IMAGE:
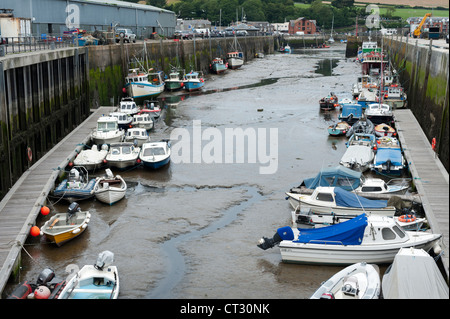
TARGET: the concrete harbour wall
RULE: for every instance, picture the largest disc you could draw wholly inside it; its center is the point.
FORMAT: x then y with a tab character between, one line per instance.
424	72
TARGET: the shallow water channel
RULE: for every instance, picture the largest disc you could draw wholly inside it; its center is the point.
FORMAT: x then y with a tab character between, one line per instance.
190	230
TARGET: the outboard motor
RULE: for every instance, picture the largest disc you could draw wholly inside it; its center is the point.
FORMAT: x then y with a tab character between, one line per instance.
283	233
105	258
72	211
45	277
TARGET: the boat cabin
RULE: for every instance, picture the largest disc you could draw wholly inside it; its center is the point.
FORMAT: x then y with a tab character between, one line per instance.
235	54
122	149
128	106
156	149
362	139
137	132
135	76
107	124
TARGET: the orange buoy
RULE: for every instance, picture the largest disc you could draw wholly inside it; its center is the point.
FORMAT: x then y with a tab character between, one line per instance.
35	231
433	144
45	210
29	154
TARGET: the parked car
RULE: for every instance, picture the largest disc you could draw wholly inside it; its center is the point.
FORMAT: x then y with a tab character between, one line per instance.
187	35
128	35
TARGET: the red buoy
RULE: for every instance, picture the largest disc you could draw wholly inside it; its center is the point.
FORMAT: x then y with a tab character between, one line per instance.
35	231
45	210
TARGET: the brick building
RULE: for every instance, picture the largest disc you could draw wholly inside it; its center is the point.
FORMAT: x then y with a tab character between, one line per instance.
302	25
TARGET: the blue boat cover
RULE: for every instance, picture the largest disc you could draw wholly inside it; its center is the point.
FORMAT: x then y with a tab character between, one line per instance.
338	176
347	199
355	109
350	232
392	154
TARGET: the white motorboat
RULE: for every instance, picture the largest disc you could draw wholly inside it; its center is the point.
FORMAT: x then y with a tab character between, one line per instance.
335	200
123	155
98	281
379	186
143	120
357	281
128	106
384	130
414	274
359	154
379	113
123	119
155	154
137	136
107	131
92	158
374	239
110	189
140	84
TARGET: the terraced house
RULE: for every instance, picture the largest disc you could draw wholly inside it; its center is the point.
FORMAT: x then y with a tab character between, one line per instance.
302	25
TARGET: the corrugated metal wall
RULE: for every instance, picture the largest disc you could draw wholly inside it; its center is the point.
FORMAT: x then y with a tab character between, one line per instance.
50	16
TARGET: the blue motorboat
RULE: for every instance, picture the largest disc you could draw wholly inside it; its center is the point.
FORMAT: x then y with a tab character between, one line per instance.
388	159
76	187
155	154
351	113
193	81
338	176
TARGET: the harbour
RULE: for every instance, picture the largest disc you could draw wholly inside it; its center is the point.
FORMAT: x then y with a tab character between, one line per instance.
190	217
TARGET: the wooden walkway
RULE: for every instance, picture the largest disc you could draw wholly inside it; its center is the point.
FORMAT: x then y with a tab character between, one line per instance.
429	175
21	205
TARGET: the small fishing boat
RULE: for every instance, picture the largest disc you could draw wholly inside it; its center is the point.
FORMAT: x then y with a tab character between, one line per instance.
363	125
155	154
152	107
389	159
379	113
66	226
193	81
128	106
384	130
329	103
143	120
357	281
43	288
140	84
123	119
374	239
360	152
287	49
110	189
123	155
379	186
92	158
98	281
414	275
76	186
107	131
338	129
335	200
235	57
175	80
218	66
137	136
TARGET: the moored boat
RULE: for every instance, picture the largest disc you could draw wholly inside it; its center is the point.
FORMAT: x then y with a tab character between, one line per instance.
92	158
329	102
110	189
128	106
77	186
218	66
98	281
193	81
137	136
143	120
360	152
155	154
175	80
123	155
384	130
140	84
63	227
123	119
46	286
357	281
151	107
379	113
107	131
389	158
338	129
374	239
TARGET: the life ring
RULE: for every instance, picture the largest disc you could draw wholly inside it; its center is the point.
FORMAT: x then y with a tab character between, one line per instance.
433	144
407	218
29	154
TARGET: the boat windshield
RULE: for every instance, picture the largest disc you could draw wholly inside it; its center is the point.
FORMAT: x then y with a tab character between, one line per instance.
106	126
126	150
154	151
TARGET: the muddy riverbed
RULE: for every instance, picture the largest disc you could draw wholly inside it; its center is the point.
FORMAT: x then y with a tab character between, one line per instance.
190	230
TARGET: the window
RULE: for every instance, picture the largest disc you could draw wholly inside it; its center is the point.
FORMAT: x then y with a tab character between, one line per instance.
399	231
387	234
326	197
371	189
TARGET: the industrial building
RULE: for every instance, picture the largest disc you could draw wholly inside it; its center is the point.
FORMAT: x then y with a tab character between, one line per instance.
53	17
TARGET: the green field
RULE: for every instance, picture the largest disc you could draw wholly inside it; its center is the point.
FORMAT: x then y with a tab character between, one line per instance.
404	13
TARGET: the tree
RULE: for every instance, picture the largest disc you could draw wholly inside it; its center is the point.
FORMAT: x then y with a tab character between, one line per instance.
157	3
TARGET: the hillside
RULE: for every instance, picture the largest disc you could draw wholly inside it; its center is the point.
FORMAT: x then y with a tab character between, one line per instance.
412	3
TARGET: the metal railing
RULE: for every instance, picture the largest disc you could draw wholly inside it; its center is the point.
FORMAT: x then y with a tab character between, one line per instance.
13	45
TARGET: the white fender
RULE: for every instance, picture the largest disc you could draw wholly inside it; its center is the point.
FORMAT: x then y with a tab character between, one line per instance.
76	231
84	226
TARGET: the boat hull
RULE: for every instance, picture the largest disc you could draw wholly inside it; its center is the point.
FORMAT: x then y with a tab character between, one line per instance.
74	194
193	86
122	164
144	90
61	233
101	139
155	165
234	63
292	252
174	85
